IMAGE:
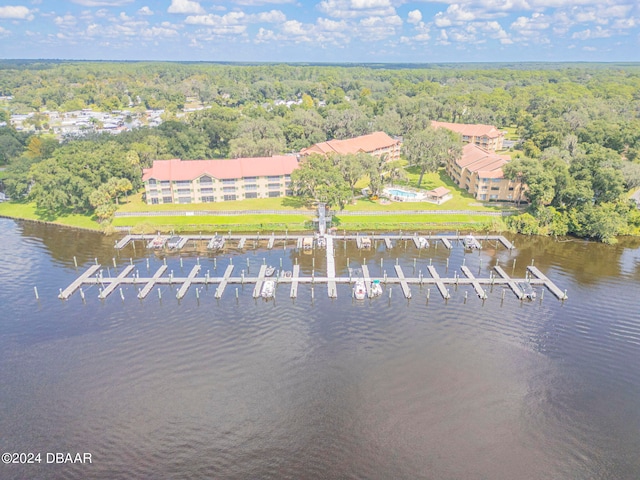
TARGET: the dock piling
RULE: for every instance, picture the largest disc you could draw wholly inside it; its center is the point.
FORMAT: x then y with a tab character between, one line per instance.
75	261
82	294
35	290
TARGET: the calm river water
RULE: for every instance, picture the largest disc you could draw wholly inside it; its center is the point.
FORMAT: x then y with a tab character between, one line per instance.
323	389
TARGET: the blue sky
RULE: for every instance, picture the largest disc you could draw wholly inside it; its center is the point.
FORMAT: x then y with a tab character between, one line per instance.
322	30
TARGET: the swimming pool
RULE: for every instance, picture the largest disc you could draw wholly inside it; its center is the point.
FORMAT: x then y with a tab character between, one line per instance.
400	193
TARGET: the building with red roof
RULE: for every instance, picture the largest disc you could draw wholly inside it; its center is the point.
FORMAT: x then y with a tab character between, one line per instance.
485	136
479	171
196	181
377	144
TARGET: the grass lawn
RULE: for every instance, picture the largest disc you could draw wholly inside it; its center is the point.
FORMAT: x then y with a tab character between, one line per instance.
218	223
135	204
461	200
29	211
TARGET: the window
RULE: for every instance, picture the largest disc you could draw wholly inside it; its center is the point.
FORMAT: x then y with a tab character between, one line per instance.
228	198
289	193
251	195
251	188
496	180
165	183
208	198
483	196
183	183
154	201
274	186
167	200
184	191
184	200
287	177
495	188
152	181
274	178
511	189
229	181
250	179
274	194
228	189
206	180
493	197
206	190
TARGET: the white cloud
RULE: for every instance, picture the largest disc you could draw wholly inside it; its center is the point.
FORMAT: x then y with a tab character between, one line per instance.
414	16
185	7
102	3
356	8
588	34
257	3
237	17
16	12
4	32
145	11
66	21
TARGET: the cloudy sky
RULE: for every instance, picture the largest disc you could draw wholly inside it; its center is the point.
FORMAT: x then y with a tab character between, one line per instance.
322	30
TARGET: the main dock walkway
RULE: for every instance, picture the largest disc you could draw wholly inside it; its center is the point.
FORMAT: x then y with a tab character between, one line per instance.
93	275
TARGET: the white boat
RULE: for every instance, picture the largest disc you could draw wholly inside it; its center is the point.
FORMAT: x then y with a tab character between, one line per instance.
470	242
270	270
527	290
376	288
157	242
359	290
268	289
423	242
173	242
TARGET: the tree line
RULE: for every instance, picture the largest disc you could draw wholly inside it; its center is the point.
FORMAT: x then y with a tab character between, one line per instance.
579	125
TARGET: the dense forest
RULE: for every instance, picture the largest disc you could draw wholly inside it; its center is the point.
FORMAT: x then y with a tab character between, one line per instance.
578	126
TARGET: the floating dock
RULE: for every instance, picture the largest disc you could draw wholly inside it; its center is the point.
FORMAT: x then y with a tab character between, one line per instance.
476	285
93	275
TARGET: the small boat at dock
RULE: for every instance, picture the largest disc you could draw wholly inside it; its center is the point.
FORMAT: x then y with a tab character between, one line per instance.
157	242
376	289
173	242
268	289
359	290
527	290
270	270
470	242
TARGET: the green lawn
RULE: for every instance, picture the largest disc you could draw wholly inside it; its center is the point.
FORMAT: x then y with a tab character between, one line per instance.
135	204
217	223
29	211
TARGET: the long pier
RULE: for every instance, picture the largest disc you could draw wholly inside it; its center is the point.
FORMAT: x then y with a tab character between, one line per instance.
93	276
270	240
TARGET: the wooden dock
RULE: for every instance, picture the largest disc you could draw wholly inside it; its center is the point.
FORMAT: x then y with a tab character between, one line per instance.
476	285
294	281
439	283
151	283
332	290
182	291
403	282
260	280
510	282
223	283
547	283
77	283
387	243
114	284
445	241
367	280
242	242
272	240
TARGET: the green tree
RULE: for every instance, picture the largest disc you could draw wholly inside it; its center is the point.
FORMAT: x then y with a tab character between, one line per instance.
430	148
318	179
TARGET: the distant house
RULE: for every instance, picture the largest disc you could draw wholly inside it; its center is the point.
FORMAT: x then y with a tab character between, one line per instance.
484	136
196	181
439	195
376	144
479	171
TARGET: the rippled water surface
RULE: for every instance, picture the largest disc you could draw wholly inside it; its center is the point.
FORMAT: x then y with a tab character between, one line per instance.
327	389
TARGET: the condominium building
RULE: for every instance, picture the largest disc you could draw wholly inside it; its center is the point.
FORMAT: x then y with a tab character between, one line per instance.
196	181
485	136
376	144
479	171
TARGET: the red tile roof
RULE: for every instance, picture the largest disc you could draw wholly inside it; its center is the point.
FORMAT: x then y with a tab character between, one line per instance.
439	192
177	169
470	130
365	143
486	164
